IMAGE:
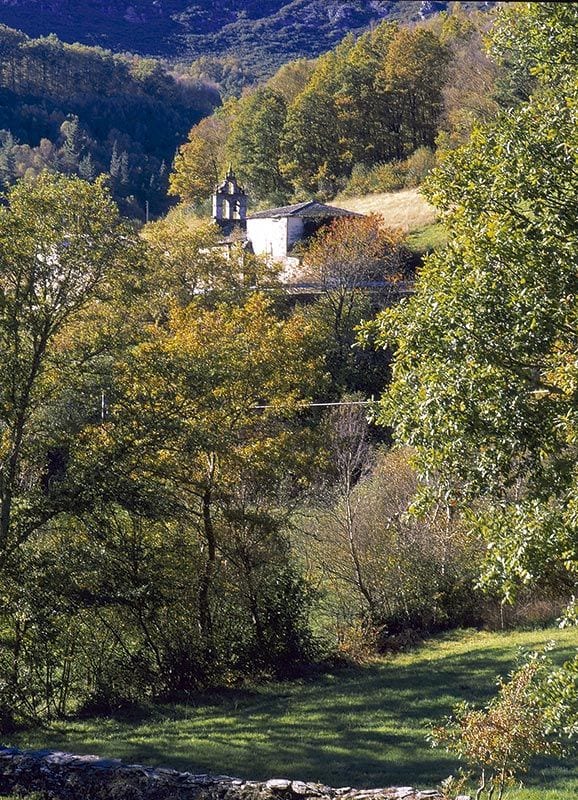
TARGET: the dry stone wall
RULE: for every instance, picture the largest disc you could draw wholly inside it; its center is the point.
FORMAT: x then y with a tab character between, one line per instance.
63	776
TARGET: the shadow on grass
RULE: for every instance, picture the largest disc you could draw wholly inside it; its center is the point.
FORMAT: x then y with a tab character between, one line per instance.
363	727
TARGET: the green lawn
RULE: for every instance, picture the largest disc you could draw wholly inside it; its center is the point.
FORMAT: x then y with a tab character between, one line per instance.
361	727
427	238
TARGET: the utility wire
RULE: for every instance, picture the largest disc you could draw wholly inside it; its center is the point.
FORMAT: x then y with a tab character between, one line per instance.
311	405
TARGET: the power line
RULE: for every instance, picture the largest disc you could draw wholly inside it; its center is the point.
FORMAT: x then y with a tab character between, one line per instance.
317	405
104	405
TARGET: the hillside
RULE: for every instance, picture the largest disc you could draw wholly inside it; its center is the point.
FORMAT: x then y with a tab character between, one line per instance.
78	109
406	209
263	33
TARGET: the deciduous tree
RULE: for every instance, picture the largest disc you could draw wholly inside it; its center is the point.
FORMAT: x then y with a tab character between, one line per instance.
485	371
254	145
311	139
62	247
199	161
349	259
413	75
205	419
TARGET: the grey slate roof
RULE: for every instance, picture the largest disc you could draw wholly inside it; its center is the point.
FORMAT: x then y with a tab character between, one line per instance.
311	208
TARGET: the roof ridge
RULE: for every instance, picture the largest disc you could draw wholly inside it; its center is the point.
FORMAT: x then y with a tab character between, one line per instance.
296	208
304	204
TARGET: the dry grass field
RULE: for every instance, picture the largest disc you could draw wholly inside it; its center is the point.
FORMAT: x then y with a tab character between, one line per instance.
406	209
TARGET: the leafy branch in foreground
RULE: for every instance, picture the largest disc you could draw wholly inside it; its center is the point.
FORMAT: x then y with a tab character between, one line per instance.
485	371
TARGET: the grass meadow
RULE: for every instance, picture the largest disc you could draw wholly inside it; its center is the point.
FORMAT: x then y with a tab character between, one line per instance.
406	209
358	726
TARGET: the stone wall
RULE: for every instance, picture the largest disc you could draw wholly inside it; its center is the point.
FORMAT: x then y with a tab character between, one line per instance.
62	776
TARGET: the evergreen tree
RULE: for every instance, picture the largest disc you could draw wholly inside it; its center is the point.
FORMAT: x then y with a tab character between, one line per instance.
115	163
124	168
72	148
86	168
7	161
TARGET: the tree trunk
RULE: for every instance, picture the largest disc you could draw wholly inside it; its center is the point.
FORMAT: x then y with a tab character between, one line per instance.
205	616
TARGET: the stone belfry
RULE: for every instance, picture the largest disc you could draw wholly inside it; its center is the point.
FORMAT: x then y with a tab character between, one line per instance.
230	202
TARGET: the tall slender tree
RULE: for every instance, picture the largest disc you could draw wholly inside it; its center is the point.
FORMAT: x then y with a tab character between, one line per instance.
254	145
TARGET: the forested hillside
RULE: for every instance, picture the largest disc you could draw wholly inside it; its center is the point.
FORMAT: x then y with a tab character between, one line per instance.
254	37
368	104
366	116
82	110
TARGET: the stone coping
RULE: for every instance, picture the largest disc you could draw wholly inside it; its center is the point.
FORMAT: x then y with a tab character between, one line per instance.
64	776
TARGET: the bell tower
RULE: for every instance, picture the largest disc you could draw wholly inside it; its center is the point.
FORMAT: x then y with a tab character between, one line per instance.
230	202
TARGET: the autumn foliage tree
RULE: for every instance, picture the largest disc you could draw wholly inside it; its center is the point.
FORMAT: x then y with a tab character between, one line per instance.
198	162
353	251
370	100
310	149
499	741
348	259
413	77
291	78
206	413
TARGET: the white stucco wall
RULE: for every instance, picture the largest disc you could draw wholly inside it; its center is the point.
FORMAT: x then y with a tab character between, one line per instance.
268	236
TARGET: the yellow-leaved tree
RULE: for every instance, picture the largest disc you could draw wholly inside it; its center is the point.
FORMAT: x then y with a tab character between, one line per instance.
206	432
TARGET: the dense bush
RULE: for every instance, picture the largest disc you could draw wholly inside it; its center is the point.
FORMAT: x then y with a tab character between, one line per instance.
391	176
101	614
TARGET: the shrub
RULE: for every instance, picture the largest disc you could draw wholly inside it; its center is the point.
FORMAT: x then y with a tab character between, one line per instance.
534	713
373	180
385	573
391	176
417	166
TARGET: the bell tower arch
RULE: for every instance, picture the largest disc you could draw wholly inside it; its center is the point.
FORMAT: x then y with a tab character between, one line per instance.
229	201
